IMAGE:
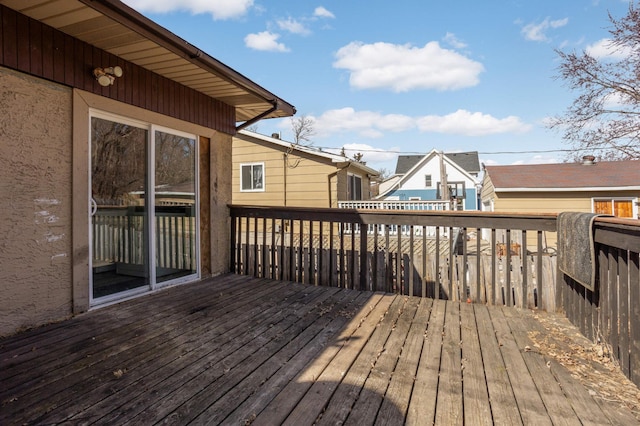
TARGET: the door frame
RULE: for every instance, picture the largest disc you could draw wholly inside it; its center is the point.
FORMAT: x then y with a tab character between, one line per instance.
150	216
82	103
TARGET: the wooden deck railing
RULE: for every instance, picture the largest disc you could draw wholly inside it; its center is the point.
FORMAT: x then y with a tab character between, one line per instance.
118	236
610	314
472	256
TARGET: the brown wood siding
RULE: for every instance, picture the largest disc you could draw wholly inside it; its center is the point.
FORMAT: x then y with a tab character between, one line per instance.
29	46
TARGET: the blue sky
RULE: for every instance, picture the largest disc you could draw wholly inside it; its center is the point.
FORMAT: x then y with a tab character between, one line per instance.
387	77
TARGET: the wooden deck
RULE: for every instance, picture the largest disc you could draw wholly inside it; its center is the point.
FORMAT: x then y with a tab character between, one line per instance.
240	350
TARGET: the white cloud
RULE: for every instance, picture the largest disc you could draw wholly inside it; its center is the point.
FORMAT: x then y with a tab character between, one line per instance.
605	49
293	26
366	123
404	67
219	9
265	41
372	125
321	12
452	40
537	31
618	100
467	123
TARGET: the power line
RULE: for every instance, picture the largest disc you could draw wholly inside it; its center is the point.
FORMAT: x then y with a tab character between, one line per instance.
326	148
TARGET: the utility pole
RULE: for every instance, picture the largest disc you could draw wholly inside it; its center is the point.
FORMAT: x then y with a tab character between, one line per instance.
444	190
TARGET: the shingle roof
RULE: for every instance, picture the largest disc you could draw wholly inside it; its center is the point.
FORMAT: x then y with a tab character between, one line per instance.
467	160
335	158
606	174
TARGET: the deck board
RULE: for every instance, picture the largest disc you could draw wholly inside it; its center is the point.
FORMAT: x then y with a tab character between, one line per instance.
396	401
528	399
476	399
241	350
449	404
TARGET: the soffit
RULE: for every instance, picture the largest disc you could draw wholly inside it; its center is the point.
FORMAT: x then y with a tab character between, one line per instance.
114	27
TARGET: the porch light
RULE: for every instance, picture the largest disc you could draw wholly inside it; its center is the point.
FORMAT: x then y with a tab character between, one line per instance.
106	76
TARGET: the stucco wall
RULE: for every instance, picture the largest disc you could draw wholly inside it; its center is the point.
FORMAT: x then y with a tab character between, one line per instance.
220	198
35	189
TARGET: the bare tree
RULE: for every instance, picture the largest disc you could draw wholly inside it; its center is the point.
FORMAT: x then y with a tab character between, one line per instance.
303	129
253	128
358	158
384	173
604	119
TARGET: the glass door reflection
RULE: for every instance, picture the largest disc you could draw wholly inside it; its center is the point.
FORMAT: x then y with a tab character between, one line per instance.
119	216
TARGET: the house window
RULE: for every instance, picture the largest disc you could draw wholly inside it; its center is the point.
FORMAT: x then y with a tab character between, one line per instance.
354	187
620	207
252	177
427	181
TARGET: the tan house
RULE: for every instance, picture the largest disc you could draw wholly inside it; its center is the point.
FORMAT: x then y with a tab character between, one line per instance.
269	171
611	187
115	157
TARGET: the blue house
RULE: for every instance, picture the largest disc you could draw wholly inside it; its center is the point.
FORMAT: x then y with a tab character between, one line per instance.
419	178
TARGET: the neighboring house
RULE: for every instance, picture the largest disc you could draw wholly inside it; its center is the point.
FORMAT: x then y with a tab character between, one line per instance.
418	177
611	187
268	171
115	157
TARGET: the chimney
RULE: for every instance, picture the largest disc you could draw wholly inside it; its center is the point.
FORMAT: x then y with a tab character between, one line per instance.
275	135
588	160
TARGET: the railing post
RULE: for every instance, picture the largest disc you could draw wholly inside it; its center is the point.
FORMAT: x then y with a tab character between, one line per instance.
364	264
232	253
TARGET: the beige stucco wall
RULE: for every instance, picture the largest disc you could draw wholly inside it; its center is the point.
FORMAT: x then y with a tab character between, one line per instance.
220	223
35	189
44	178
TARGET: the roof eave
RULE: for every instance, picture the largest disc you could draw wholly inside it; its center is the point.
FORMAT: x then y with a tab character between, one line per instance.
137	22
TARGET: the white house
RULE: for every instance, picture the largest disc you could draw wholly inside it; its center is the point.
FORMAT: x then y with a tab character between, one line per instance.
419	177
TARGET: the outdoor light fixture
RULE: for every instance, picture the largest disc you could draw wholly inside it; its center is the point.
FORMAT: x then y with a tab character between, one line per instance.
106	76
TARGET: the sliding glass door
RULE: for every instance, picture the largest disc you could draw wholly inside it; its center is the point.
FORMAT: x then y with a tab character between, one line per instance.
144	231
175	206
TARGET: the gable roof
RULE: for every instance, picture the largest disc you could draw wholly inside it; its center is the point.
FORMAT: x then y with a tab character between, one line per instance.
417	165
467	160
314	152
565	176
118	29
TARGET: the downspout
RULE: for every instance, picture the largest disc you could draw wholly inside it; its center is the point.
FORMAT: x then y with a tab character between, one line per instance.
329	176
284	178
346	166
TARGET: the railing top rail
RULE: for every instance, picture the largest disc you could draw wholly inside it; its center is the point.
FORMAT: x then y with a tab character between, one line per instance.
458	219
618	232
